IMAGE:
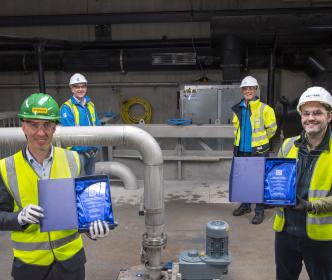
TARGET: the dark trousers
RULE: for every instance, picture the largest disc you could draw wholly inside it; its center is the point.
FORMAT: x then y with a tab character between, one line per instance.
55	271
88	163
72	269
259	209
291	251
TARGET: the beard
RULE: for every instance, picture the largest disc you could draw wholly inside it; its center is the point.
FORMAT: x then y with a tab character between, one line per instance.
314	128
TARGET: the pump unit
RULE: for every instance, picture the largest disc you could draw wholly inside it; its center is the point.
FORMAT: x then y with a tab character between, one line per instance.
211	264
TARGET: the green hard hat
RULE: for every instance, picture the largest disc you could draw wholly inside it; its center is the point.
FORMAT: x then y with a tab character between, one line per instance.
39	106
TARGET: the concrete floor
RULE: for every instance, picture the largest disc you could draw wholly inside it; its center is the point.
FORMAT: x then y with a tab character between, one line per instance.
189	206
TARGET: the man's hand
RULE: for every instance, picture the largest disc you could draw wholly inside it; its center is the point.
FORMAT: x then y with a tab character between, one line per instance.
98	229
30	214
302	205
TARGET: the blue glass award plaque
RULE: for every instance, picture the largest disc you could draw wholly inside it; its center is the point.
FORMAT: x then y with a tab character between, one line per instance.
270	181
74	203
93	200
279	183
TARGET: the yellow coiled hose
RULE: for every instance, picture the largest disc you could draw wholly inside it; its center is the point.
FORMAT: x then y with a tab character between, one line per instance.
128	117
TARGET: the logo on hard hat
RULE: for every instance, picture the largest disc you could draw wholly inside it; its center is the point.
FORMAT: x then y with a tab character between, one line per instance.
39	110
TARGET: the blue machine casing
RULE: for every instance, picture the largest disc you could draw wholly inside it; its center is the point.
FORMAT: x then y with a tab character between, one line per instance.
214	262
193	266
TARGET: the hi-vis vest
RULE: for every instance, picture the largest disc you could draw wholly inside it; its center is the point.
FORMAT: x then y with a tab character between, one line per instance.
263	124
32	246
319	226
73	108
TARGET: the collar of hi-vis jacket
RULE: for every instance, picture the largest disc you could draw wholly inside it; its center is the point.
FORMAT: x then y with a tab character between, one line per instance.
251	105
323	146
76	102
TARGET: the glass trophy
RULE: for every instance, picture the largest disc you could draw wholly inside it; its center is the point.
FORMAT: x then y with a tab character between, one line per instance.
279	184
93	200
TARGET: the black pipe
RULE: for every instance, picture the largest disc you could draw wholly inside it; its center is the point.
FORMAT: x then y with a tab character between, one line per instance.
41	74
150	17
271	73
231	49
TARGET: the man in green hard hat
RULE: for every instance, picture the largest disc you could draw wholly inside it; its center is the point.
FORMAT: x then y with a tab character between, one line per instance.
55	255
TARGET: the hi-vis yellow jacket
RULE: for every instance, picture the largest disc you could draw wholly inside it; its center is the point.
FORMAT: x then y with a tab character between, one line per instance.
263	125
319	226
76	112
30	245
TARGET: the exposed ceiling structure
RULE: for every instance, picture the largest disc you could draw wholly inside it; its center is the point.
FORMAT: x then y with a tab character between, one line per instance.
296	38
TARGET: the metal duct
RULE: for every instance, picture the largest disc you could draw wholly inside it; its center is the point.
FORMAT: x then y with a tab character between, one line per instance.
232	56
110	60
174	58
154	239
149	17
311	30
119	170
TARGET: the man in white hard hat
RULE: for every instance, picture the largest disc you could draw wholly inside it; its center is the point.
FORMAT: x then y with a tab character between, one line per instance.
254	125
304	232
80	111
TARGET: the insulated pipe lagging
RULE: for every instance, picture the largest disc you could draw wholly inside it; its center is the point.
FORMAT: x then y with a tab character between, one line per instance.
134	137
119	170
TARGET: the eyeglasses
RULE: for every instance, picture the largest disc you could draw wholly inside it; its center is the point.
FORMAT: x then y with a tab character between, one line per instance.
35	126
249	88
79	86
317	113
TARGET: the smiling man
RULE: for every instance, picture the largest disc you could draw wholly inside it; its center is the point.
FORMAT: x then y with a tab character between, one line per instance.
254	125
80	111
304	233
55	255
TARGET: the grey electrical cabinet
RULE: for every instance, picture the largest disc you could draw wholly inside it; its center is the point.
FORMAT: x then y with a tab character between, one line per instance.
209	104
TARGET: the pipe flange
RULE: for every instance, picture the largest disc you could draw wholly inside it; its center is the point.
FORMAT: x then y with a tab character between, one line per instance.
155	268
154	241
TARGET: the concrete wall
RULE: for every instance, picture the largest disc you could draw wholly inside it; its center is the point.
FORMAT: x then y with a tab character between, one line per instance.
14	87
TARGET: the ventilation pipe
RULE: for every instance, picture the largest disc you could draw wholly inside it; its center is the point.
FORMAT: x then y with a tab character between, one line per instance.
271	74
41	74
154	238
232	50
119	170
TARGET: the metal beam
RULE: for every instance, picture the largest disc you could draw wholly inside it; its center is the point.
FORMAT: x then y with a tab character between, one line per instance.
189	131
147	17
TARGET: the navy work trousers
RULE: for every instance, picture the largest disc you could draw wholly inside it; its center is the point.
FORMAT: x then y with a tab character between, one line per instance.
56	271
291	251
89	163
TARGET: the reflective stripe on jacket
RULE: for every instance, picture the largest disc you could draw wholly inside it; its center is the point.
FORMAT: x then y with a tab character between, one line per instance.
263	124
76	113
32	246
319	226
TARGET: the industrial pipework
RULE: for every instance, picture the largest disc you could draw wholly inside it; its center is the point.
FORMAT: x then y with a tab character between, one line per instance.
154	238
118	169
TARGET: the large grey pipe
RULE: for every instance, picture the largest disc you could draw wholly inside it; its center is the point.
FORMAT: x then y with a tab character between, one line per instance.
154	238
118	169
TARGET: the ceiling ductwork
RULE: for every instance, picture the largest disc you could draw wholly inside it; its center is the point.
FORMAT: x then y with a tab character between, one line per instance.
239	41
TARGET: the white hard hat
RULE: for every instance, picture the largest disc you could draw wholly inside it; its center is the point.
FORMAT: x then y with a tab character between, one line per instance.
249	81
77	79
315	94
